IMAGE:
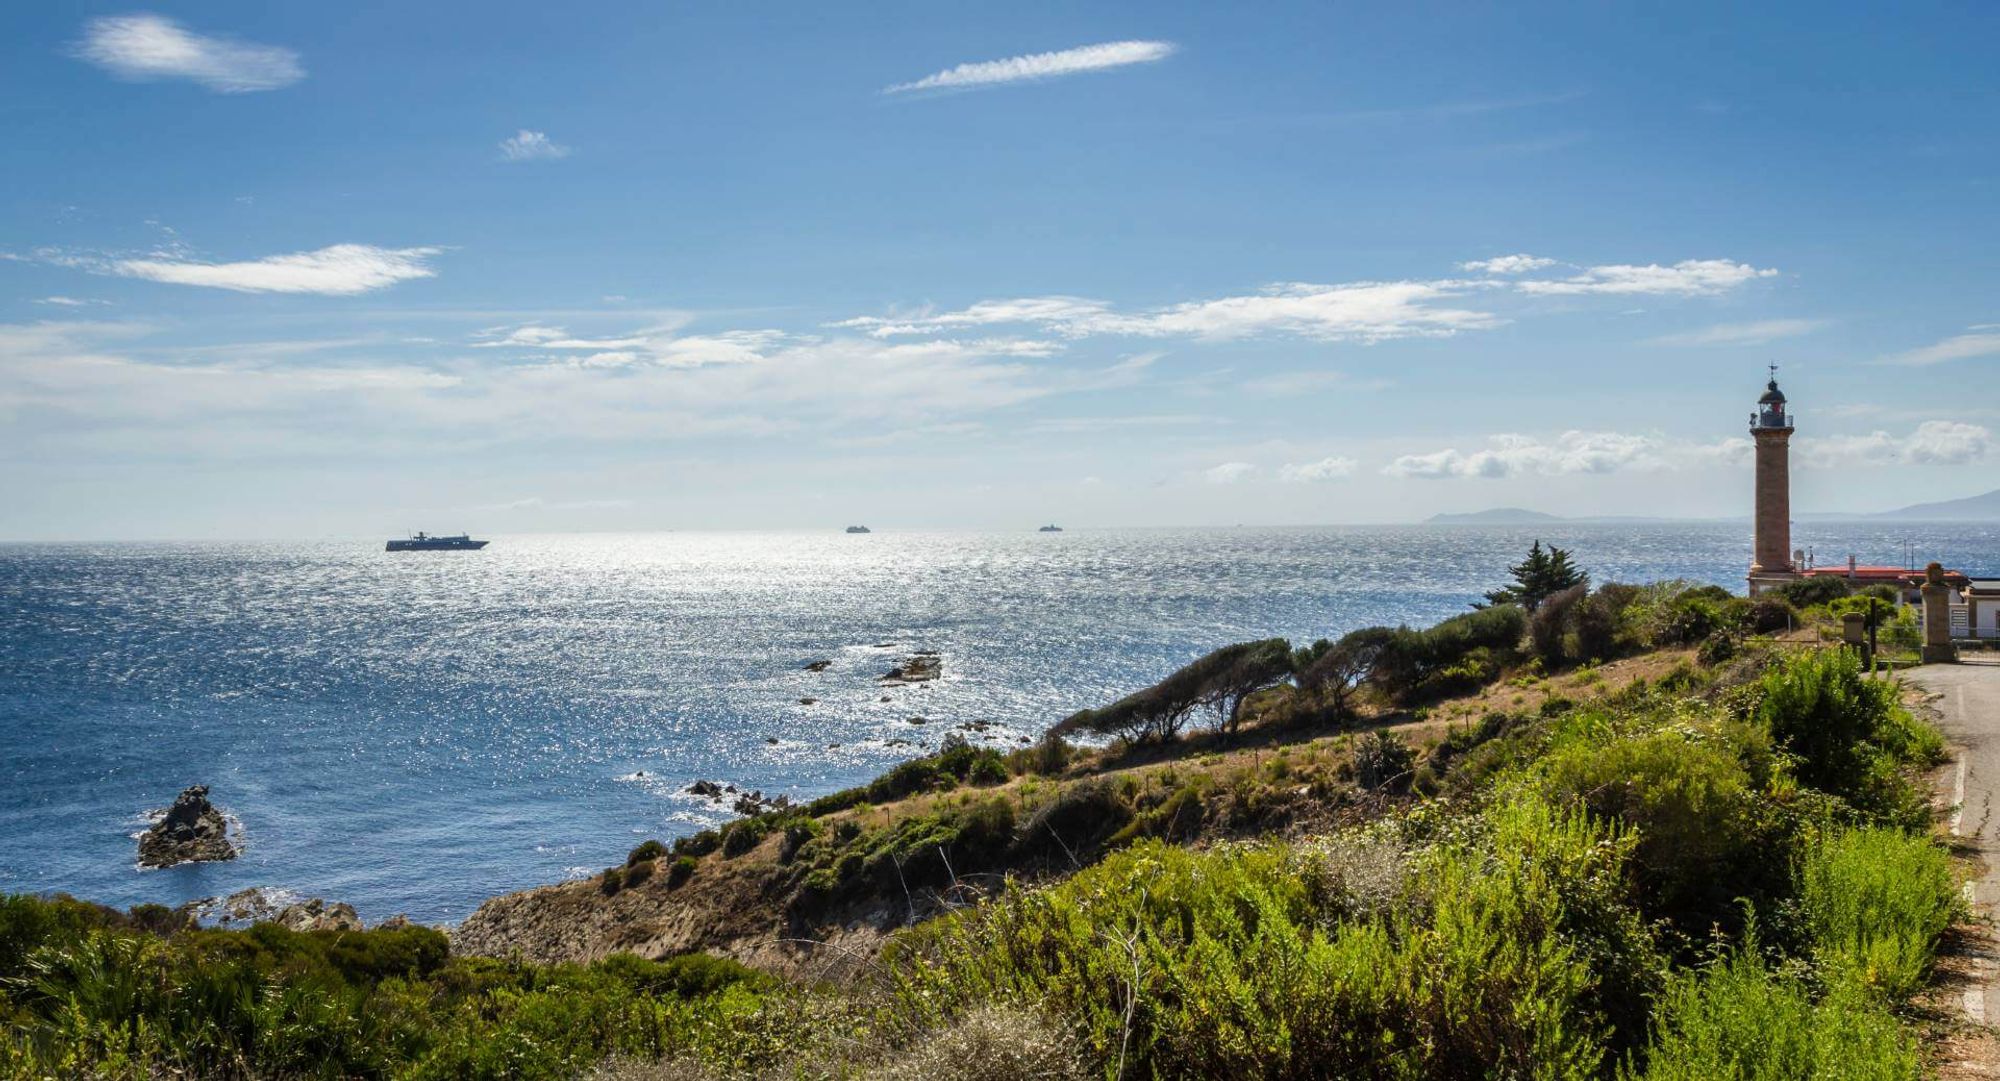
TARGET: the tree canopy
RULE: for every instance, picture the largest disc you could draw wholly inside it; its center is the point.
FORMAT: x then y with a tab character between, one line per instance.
1545	573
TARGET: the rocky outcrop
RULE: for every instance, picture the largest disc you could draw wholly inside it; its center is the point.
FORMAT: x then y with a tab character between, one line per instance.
191	831
920	667
317	915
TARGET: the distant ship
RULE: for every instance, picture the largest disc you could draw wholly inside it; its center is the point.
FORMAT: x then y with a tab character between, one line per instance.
859	529
1049	529
424	542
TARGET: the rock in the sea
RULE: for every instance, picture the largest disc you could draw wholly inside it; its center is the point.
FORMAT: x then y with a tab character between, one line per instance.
808	701
192	831
918	668
819	666
705	789
317	915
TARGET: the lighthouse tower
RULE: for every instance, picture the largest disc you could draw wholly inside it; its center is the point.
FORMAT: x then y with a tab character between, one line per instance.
1771	561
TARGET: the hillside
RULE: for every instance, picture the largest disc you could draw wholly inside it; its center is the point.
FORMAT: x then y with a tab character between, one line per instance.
1978	508
1630	836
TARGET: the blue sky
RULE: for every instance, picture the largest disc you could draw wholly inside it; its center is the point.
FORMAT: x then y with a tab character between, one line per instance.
273	270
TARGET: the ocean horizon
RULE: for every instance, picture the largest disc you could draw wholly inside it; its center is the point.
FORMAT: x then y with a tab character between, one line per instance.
414	733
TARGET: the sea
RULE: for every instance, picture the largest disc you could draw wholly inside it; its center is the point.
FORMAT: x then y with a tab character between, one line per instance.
412	733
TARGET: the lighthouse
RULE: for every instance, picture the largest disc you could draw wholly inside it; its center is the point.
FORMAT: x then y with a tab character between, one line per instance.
1771	560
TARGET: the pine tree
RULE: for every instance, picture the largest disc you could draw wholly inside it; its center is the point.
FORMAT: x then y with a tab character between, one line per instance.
1542	575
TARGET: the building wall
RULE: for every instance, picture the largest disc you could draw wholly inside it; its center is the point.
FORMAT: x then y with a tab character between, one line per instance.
1774	502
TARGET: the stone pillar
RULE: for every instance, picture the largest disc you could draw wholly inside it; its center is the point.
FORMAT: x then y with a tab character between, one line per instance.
1854	629
1772	553
1937	617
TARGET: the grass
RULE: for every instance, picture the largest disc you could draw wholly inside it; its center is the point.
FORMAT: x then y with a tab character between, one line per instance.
1876	901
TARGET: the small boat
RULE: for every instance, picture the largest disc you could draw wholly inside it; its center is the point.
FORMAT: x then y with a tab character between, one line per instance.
424	542
1049	529
859	529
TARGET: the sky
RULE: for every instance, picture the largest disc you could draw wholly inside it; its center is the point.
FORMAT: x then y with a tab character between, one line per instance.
278	270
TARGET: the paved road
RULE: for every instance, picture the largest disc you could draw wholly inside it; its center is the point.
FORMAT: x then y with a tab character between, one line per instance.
1969	715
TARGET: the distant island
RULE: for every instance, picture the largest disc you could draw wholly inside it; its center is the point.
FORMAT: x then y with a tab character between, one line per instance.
1978	508
1495	516
1519	516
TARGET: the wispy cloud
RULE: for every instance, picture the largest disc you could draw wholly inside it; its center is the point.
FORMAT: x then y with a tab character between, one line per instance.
70	302
1689	277
527	145
1014	69
1357	311
1758	333
145	47
1326	469
1507	264
339	270
1228	473
1978	341
1365	311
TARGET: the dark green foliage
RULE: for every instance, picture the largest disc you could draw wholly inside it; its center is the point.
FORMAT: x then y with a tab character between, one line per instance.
1459	654
1552	623
1719	647
95	997
638	873
1075	823
1768	613
1542	575
697	844
611	881
1243	671
646	850
1847	731
687	975
1383	761
27	922
1816	590
956	762
680	871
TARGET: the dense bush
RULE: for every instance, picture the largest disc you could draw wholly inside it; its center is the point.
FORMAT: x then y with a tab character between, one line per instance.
1816	590
1875	901
1263	961
645	850
1739	1020
1848	731
1459	654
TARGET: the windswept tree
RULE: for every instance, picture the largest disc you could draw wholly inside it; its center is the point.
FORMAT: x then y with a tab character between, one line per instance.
1542	575
1337	671
1240	671
1219	680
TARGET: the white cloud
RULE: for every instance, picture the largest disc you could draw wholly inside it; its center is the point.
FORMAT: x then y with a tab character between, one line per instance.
1357	311
1507	264
1514	455
1758	333
1689	277
1934	442
1980	341
1228	473
70	302
528	145
1016	69
146	47
340	270
1316	472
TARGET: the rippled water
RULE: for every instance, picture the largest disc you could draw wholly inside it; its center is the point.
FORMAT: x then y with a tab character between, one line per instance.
416	732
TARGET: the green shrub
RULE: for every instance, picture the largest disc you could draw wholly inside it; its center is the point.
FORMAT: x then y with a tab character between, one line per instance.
1816	590
1875	902
1738	1020
646	850
1256	961
1847	731
638	873
680	871
1693	796
611	881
